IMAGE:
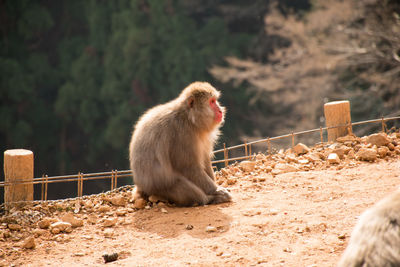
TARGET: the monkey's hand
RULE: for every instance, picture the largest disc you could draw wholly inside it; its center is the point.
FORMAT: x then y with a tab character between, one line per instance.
221	195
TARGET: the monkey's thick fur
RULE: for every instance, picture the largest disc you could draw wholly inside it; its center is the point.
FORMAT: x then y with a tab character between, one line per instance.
375	240
171	147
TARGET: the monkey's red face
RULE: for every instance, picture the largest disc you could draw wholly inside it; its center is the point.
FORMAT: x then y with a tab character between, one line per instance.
218	115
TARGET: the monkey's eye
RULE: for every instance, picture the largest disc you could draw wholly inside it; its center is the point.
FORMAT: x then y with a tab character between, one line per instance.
212	101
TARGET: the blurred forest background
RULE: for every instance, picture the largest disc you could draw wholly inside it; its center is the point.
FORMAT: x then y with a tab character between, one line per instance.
76	75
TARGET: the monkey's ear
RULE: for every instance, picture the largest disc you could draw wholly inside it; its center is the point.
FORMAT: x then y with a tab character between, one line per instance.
190	102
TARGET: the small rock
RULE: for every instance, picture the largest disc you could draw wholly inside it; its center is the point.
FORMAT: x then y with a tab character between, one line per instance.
304	161
313	157
108	232
231	181
140	203
340	152
58	227
391	146
284	168
366	154
118	201
110	222
291	158
164	210
29	243
211	229
378	139
189	227
348	138
333	158
14	227
247	165
38	232
383	151
351	154
121	212
110	257
300	149
69	218
92	219
45	223
104	208
224	172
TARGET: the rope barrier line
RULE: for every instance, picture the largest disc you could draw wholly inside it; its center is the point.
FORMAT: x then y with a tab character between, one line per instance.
114	174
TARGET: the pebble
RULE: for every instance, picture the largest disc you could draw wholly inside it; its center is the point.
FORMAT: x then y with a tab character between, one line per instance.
189	227
333	158
29	243
104	208
108	232
211	229
366	154
14	227
38	232
58	227
300	149
378	139
140	203
164	210
110	222
69	218
247	165
118	201
45	223
383	151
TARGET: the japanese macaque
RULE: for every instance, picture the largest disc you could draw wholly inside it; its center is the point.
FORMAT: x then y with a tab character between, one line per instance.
375	240
171	148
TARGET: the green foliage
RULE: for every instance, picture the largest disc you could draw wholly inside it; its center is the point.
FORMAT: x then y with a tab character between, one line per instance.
76	75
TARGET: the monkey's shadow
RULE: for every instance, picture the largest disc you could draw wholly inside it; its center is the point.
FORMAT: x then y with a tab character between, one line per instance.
191	220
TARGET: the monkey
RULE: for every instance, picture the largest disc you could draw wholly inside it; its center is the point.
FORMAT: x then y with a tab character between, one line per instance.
171	148
375	240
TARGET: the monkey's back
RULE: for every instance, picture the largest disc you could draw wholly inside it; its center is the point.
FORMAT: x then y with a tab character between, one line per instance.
150	145
375	241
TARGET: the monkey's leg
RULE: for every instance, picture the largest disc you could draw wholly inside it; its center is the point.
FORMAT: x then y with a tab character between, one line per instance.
185	193
221	195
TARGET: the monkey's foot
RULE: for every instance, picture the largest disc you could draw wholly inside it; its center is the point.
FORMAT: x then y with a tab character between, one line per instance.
220	196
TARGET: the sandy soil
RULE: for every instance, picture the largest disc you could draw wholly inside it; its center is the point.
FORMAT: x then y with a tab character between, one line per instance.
299	218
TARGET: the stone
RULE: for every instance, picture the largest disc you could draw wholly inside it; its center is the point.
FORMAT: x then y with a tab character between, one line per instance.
211	229
333	158
378	139
118	201
14	227
348	138
300	149
340	152
29	243
247	165
121	212
313	157
304	161
110	222
108	232
58	227
284	168
231	181
45	223
383	151
291	158
104	208
92	219
69	218
366	154
38	232
140	203
164	210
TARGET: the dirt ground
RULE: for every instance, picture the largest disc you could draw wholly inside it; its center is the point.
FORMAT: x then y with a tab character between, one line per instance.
301	218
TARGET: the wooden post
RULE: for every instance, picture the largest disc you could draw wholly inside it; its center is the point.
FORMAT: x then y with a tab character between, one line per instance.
18	166
338	113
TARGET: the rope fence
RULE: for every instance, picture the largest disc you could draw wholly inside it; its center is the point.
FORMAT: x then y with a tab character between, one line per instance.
114	175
